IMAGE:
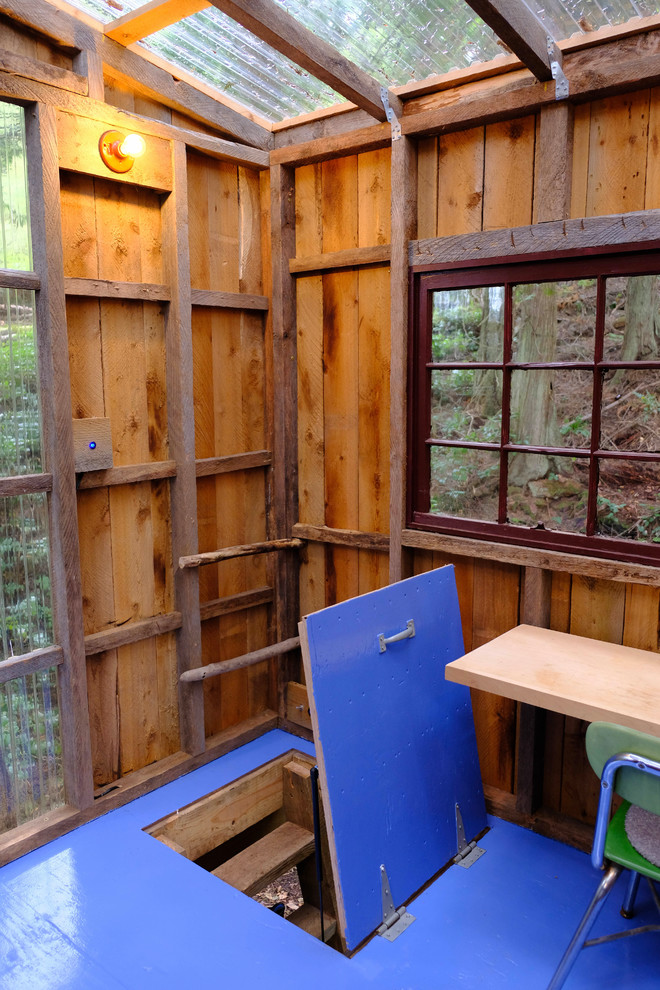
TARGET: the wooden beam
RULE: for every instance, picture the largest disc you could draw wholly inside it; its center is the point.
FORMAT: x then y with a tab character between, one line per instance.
322	149
236	603
44	184
209	466
238	663
517	26
25	484
127	474
552	560
29	663
131	632
151	17
181	428
10	279
53	75
228	300
569	237
285	414
404	227
270	22
553	171
105	289
334	260
229	553
75	33
356	539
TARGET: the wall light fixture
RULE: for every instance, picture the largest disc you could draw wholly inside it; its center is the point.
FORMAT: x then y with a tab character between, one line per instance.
119	151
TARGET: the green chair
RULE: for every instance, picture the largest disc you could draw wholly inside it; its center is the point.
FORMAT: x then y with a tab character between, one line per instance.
628	764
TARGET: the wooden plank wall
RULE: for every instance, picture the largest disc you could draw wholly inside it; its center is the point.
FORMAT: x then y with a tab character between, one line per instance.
343	373
114	232
477	179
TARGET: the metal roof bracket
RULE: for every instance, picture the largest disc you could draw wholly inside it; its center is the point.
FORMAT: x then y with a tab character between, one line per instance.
561	82
389	113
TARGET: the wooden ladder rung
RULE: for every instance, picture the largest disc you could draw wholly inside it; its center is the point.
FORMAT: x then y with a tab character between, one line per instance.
308	918
267	859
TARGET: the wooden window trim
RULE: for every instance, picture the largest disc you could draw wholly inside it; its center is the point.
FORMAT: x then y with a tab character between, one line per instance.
536	260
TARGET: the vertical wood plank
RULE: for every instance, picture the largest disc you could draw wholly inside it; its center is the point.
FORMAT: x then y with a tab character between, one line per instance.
427	187
404	227
460	194
580	174
652	186
181	429
43	176
508	174
311	440
285	404
617	154
495	609
553	163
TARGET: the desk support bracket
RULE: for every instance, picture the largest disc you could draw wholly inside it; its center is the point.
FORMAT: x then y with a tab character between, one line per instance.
394	922
468	852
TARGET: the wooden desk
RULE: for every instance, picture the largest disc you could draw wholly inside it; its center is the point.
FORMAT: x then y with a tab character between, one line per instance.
573	675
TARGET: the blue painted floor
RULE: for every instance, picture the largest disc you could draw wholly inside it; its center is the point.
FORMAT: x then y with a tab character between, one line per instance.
109	907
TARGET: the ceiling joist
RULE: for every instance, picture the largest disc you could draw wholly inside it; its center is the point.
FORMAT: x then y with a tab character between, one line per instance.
270	22
518	27
151	17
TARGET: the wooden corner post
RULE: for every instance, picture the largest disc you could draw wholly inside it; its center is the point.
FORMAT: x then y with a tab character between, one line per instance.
46	221
285	416
404	226
181	428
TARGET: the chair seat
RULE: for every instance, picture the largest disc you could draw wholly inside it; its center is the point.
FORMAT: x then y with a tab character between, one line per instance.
643	830
619	849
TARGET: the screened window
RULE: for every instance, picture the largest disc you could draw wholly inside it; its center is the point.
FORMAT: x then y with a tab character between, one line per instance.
30	749
535	406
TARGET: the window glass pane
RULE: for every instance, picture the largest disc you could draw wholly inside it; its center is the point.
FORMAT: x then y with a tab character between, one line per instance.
15	246
548	491
632	318
630	410
31	778
554	321
465	482
25	600
628	499
466	404
20	421
468	324
551	408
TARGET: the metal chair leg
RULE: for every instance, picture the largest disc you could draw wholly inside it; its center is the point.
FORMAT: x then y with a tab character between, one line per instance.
628	906
589	917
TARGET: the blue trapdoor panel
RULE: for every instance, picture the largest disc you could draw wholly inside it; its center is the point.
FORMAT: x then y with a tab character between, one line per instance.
395	741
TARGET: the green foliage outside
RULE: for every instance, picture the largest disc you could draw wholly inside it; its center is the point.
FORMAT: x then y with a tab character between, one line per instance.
31	779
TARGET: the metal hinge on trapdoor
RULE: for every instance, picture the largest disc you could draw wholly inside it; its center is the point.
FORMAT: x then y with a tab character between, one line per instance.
394	921
468	852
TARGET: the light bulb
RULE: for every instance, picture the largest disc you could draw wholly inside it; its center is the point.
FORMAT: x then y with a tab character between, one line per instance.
132	146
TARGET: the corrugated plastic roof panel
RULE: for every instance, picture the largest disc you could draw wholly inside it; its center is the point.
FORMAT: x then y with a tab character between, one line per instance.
395	41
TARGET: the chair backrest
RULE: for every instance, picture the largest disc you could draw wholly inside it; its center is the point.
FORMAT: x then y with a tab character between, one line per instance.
604	740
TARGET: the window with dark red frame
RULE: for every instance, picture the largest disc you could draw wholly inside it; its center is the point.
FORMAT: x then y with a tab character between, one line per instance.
534	412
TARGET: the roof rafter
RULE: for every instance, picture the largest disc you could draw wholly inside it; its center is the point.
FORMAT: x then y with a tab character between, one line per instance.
270	22
151	17
518	27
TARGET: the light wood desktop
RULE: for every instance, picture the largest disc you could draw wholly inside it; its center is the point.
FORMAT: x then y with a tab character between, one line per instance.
585	678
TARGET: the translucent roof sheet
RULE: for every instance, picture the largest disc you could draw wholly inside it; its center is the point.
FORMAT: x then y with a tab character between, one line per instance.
395	41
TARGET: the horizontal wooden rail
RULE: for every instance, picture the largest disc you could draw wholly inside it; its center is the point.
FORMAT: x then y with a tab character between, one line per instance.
343	537
207	466
351	258
235	603
128	474
30	663
131	632
102	289
12	279
237	663
228	300
26	484
228	553
550	560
